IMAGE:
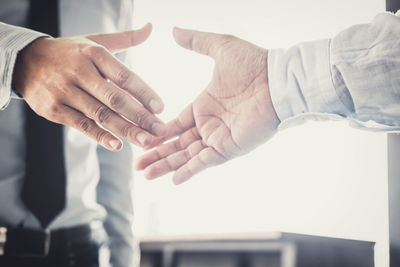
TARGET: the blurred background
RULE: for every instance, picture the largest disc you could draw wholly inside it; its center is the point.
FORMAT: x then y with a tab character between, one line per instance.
321	178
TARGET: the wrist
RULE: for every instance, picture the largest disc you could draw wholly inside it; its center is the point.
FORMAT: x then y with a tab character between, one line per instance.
274	115
28	55
14	40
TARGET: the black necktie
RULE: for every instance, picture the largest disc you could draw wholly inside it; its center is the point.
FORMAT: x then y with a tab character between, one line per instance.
43	190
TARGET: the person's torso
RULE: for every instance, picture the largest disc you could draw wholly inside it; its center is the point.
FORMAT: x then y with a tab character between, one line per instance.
77	17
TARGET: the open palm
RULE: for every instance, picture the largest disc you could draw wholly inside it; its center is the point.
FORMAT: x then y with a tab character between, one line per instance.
233	115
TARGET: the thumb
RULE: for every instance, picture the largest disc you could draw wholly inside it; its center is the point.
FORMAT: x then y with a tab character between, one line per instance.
201	42
119	41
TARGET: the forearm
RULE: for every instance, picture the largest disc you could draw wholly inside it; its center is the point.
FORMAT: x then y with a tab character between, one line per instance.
114	193
355	75
12	40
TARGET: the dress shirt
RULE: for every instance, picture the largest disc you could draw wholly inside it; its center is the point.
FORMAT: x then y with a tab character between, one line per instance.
355	75
99	182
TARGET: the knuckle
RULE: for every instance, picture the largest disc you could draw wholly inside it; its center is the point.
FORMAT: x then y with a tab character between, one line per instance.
62	91
141	118
116	100
126	131
100	135
142	93
124	77
186	153
80	73
178	145
102	114
54	108
93	51
84	124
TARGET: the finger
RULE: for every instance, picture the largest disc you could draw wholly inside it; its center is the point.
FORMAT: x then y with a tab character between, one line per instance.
167	149
122	103
206	158
80	122
115	42
182	123
173	161
201	42
114	70
107	118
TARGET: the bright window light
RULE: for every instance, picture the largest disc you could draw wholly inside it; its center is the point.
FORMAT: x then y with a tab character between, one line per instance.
321	178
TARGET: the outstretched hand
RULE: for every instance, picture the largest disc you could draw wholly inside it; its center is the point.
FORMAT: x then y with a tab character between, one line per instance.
76	81
232	116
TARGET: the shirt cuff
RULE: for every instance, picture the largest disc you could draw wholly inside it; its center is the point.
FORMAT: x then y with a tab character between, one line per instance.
12	40
301	86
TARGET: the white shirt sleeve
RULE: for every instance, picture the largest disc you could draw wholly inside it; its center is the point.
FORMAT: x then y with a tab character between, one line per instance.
355	75
12	40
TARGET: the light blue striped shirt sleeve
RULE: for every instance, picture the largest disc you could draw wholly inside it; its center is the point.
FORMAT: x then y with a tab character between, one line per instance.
355	75
12	40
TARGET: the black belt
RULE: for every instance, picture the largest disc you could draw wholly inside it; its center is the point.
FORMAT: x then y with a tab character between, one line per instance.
23	242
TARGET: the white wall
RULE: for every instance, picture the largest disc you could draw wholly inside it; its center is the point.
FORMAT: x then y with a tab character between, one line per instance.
320	178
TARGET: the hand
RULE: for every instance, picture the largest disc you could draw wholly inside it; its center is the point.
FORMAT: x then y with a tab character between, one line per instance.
78	82
233	115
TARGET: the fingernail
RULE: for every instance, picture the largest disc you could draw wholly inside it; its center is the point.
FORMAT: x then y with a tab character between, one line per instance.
156	106
159	129
143	138
114	144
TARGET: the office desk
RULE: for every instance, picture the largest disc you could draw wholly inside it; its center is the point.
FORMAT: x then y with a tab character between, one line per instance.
255	250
